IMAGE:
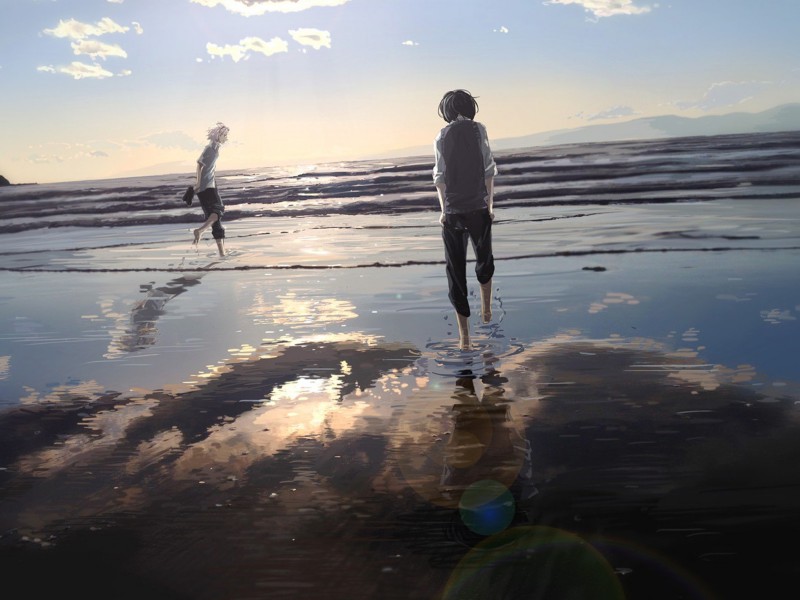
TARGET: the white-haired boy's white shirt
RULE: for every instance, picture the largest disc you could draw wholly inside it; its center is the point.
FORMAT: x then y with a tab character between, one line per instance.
208	160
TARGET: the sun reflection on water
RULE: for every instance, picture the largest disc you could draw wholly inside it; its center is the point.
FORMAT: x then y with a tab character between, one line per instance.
294	309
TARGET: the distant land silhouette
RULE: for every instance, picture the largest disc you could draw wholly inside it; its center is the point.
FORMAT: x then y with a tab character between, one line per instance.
4	181
785	117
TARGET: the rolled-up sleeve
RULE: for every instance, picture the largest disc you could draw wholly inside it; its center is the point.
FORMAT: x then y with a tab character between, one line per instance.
438	164
489	166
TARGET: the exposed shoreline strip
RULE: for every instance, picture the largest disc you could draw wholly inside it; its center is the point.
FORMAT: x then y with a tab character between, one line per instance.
410	263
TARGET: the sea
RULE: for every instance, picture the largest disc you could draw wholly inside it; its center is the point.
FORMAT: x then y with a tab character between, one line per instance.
85	218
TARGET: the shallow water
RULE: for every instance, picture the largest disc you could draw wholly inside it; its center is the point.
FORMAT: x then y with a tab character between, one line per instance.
119	329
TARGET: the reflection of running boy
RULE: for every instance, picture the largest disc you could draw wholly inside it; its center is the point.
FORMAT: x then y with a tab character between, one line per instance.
464	179
206	187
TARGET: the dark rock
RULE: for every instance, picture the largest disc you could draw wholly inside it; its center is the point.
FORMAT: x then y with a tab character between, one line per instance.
4	181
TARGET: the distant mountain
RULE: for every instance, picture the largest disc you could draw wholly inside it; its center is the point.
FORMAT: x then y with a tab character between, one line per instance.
785	117
4	181
781	118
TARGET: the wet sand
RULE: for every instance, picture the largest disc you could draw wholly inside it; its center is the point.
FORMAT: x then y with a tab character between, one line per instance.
295	421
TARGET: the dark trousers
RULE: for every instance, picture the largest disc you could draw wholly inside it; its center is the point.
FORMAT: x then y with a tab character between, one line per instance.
456	231
212	203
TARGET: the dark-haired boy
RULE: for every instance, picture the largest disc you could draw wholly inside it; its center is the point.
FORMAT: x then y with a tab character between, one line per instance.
463	174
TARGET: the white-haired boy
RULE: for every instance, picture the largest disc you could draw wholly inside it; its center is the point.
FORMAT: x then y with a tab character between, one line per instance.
206	187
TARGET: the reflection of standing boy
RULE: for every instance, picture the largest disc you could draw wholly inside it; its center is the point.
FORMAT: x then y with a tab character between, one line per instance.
206	187
464	178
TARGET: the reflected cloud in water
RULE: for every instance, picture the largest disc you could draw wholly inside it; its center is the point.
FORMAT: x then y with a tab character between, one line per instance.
611	299
351	440
240	413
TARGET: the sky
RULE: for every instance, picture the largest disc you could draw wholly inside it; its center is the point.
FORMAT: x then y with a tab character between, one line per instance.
99	89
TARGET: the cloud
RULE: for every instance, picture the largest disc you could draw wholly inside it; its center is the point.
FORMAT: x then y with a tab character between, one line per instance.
250	8
615	112
606	8
78	70
247	45
39	159
124	73
316	38
95	49
410	43
171	139
115	1
98	154
60	152
725	93
502	29
137	27
78	31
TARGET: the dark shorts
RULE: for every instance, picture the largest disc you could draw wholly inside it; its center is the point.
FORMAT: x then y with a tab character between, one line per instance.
212	204
458	230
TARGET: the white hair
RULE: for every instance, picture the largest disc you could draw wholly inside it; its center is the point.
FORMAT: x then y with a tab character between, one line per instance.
215	132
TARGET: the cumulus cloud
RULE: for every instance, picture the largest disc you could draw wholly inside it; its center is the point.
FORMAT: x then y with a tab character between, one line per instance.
725	93
95	49
247	45
410	43
502	29
124	73
250	8
77	31
81	45
606	8
316	38
78	70
137	27
615	112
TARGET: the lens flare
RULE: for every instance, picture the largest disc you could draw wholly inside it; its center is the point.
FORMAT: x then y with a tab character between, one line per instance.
534	562
487	507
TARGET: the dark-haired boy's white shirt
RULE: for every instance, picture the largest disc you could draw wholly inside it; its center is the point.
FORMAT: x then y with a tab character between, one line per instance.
489	166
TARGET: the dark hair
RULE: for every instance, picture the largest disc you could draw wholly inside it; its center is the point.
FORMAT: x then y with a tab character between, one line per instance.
457	102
